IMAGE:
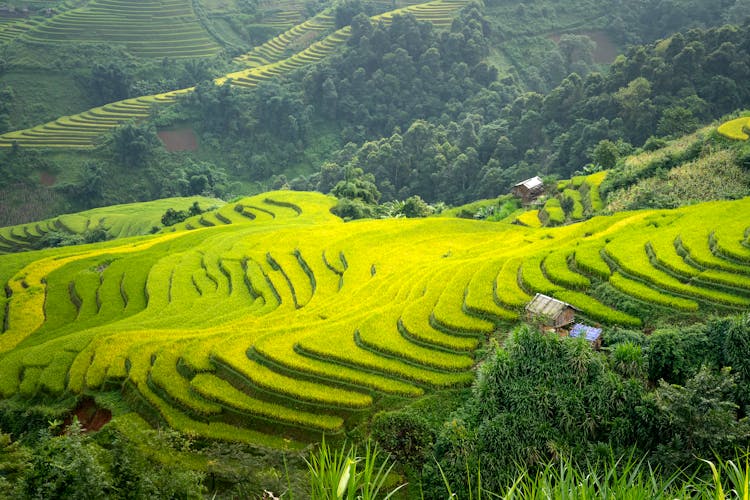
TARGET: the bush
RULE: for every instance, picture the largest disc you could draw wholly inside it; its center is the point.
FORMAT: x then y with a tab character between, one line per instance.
539	396
675	354
416	207
66	467
352	209
172	216
404	434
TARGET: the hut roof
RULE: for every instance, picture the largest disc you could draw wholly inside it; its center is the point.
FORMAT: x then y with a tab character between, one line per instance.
530	184
542	304
588	332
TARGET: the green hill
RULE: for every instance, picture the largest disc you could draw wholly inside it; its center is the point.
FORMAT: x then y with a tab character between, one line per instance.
273	321
83	130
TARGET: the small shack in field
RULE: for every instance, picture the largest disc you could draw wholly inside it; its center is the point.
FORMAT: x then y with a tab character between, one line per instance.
592	335
529	190
550	312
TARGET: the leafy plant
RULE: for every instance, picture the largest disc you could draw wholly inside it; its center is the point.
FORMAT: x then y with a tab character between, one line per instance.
344	474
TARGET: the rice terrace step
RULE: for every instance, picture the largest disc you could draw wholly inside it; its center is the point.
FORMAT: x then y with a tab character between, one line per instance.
274	321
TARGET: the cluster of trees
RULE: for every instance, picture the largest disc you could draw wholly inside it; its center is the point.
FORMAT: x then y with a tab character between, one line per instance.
163	175
386	77
119	78
389	76
172	216
46	454
662	90
670	397
640	22
130	165
6	99
452	163
54	239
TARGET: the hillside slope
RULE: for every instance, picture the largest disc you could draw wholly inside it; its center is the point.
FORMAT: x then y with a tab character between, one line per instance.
275	320
83	130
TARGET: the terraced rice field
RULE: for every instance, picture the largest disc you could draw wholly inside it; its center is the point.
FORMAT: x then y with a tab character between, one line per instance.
12	28
583	191
85	129
280	46
281	13
119	221
147	28
738	129
270	321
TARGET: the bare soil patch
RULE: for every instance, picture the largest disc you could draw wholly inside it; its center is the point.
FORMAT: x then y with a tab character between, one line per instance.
182	139
91	417
47	179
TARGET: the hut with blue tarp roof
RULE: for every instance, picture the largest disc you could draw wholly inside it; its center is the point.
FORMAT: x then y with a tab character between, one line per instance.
592	334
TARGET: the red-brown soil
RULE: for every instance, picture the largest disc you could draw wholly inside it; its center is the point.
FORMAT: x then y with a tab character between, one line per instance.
182	139
91	417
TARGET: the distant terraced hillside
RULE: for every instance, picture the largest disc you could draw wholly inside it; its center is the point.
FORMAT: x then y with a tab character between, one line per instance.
12	28
84	129
119	221
147	28
272	321
277	48
281	13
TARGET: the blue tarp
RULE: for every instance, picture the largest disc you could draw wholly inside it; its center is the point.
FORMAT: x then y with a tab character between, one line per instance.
588	332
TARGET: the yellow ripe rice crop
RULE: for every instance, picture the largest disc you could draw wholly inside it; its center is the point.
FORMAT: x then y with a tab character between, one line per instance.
736	129
201	327
530	219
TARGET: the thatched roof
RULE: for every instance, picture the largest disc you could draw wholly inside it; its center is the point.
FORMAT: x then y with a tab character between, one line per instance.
546	306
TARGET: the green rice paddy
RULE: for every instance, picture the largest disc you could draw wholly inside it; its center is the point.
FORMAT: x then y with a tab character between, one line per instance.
278	327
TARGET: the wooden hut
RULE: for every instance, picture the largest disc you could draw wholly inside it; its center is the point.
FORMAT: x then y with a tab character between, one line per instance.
550	312
529	190
592	335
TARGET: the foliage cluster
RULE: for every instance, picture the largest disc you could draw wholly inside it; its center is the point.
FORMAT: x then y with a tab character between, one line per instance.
540	398
172	216
75	465
502	135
